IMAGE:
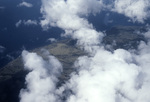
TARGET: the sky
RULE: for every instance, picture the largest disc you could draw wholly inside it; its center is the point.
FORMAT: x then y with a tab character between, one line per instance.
102	75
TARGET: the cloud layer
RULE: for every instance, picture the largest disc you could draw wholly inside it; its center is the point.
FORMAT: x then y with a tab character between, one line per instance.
27	22
102	76
25	4
41	80
137	10
71	19
120	76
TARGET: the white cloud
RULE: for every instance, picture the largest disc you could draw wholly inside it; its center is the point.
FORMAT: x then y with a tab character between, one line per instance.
27	22
25	4
106	77
119	76
147	34
52	40
68	15
18	23
30	22
102	76
137	10
42	78
68	10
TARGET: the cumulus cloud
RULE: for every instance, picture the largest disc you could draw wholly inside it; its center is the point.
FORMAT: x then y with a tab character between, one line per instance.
147	34
18	23
72	19
26	22
42	78
30	22
137	10
52	40
70	10
120	76
102	76
25	4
